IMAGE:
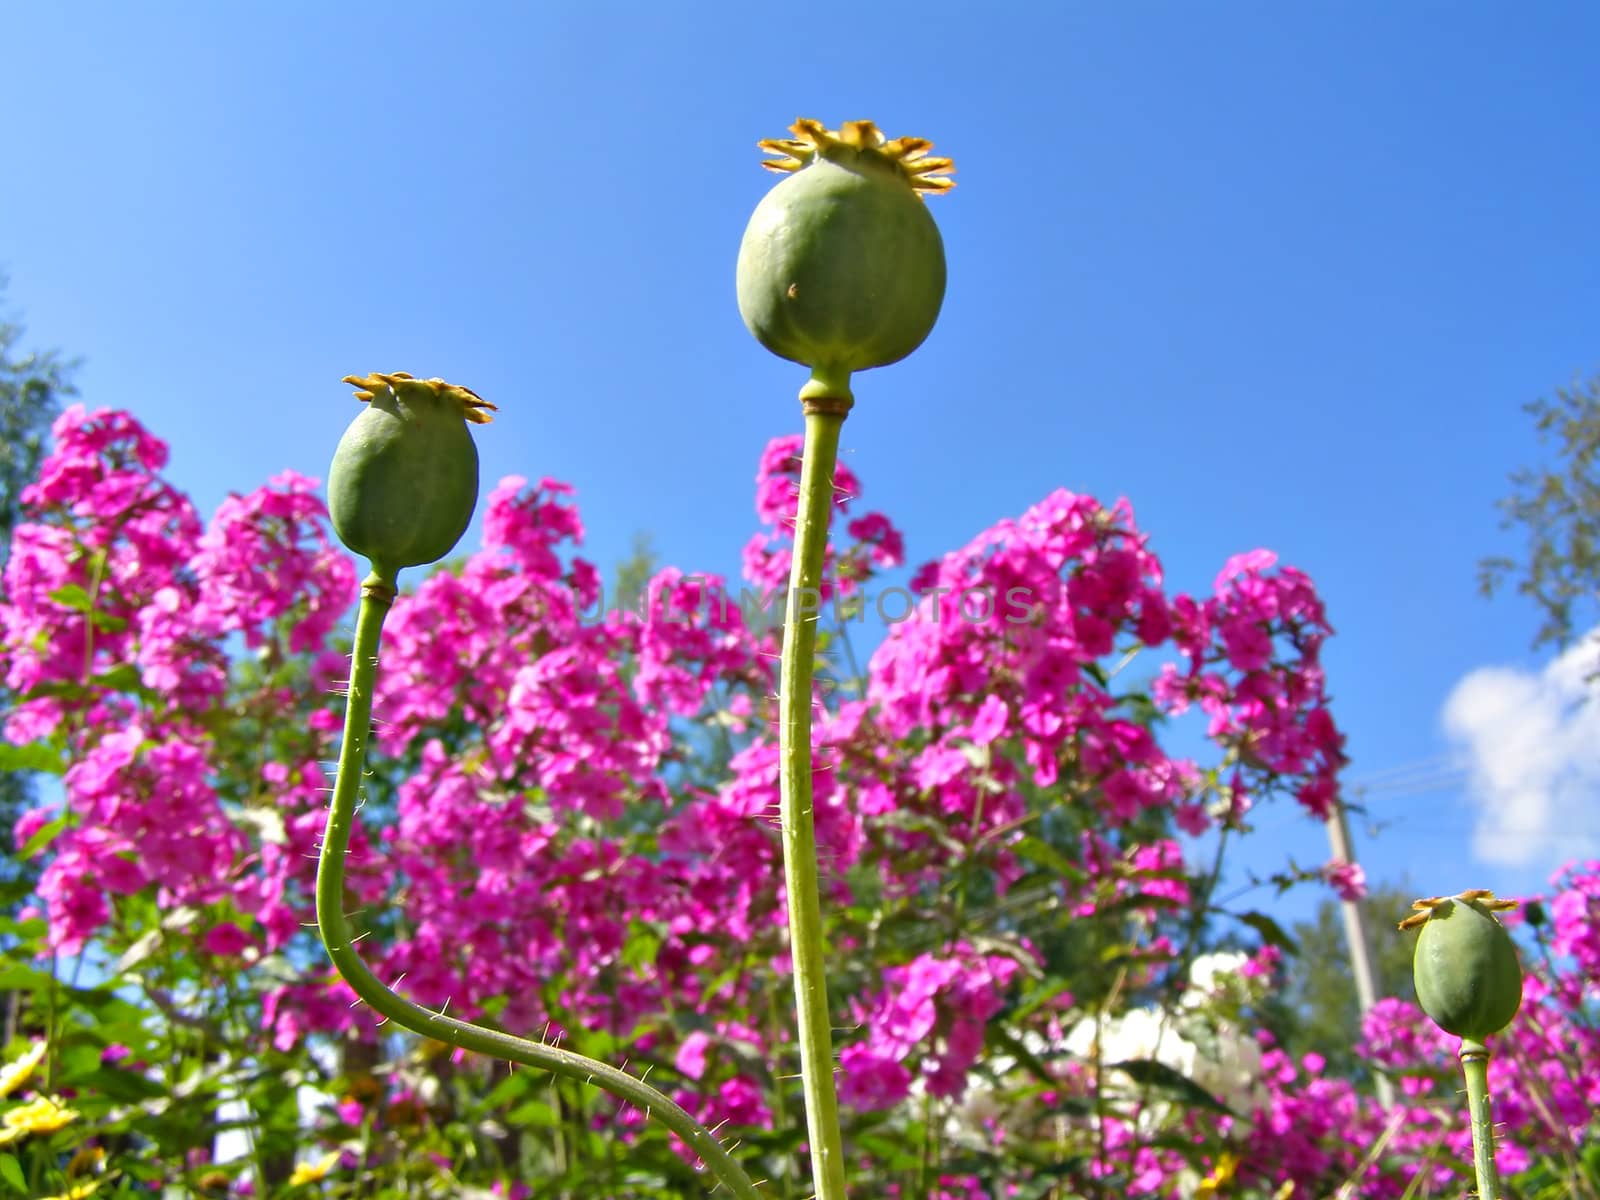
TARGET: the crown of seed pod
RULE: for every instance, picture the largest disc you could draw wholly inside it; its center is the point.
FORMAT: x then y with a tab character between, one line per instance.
404	479
842	267
1465	966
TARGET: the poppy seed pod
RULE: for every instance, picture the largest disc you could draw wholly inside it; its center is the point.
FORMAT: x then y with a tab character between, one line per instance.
404	479
842	267
1465	966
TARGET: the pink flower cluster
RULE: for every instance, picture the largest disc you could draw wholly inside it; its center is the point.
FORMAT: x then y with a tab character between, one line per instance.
1544	1081
116	607
570	825
940	1004
768	556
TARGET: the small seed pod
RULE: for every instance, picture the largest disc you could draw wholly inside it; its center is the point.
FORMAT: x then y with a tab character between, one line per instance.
404	480
842	267
1465	966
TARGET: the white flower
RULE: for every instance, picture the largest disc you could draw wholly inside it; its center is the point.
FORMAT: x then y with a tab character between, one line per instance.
1231	1071
1205	971
1138	1034
1217	1055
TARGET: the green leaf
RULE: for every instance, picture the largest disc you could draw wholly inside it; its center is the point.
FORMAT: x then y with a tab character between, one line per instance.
104	622
17	977
642	946
27	931
534	1114
891	1150
11	1172
1136	903
180	918
43	836
721	981
1271	932
61	689
137	953
74	597
1162	1078
1037	850
130	1087
1035	996
35	756
1025	1057
124	677
508	1089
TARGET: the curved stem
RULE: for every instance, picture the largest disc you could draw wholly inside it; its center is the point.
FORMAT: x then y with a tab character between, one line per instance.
377	594
1475	1066
823	421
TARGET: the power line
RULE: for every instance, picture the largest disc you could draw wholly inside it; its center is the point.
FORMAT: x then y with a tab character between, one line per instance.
1385	775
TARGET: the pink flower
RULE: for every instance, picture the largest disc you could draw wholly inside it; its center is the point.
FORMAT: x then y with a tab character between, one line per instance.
691	1058
870	1082
29	823
990	721
1248	644
227	940
1348	879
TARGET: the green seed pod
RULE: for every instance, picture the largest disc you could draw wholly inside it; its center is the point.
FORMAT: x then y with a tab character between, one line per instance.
1465	966
842	267
404	480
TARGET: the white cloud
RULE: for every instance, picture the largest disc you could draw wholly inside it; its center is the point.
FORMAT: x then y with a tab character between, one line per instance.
1532	749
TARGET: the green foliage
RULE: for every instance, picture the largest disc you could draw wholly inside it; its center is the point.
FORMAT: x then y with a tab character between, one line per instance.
1319	1011
633	574
32	386
1558	508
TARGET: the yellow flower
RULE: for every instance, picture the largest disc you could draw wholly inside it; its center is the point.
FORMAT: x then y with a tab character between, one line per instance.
311	1172
1221	1175
14	1074
86	1159
77	1193
44	1115
905	154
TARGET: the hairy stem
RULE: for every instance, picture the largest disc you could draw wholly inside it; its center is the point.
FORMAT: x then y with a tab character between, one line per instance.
1475	1066
377	594
823	421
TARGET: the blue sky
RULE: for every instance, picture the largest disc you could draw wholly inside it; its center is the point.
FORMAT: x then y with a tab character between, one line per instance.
1281	275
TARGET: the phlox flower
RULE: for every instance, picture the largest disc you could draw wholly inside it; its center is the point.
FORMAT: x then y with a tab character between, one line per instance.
869	1080
1348	879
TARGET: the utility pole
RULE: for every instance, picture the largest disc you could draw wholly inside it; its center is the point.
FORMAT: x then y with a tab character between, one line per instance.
1355	934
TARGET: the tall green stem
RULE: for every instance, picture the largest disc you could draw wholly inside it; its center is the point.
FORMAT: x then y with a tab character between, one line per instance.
1475	1066
377	594
824	417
